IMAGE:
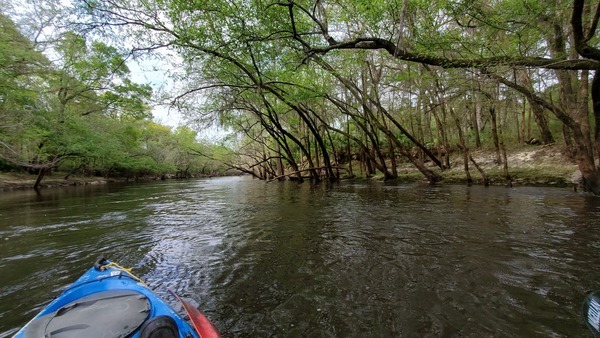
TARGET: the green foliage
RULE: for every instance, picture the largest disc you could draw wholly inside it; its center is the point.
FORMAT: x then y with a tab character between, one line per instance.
21	69
272	73
84	113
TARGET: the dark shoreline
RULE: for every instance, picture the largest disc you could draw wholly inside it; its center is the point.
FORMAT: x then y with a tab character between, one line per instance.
20	181
528	166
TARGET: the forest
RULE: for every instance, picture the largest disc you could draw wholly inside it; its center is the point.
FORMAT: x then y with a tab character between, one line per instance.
77	110
307	89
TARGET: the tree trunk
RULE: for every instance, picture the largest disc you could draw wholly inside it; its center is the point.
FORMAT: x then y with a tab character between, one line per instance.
495	135
504	157
392	150
442	147
431	176
40	176
596	110
538	113
589	172
583	111
334	151
569	143
279	166
478	122
542	123
463	146
518	128
368	156
486	179
349	150
523	131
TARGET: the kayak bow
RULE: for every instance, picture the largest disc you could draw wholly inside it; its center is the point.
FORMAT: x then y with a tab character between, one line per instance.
109	301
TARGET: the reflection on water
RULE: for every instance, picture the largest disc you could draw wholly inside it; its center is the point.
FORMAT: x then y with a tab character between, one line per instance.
289	260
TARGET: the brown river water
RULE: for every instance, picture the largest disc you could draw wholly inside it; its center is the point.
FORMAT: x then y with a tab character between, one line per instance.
298	260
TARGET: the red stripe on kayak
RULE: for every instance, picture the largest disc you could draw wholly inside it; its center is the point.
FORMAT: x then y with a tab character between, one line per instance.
202	325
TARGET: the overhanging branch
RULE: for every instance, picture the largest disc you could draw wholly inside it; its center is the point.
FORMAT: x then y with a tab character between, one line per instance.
402	54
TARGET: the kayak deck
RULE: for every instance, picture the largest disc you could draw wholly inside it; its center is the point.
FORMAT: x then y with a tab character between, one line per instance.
122	313
106	301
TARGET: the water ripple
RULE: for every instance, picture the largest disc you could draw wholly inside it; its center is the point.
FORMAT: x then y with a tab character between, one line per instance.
350	260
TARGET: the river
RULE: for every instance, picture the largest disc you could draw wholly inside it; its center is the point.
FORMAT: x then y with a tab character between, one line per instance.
297	260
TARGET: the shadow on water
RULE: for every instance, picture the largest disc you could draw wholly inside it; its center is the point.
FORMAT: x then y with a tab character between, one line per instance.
295	260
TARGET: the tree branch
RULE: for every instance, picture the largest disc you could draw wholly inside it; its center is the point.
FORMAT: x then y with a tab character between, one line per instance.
581	44
402	54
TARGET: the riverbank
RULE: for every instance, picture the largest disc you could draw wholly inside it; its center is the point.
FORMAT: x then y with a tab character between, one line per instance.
22	180
19	180
530	165
533	165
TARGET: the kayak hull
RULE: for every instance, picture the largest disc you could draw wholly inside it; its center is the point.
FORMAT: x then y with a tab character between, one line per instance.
94	302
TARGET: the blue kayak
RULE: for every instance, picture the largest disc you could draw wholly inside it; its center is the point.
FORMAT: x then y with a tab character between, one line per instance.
109	301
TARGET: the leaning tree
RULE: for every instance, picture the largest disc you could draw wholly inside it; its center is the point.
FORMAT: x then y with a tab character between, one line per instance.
348	26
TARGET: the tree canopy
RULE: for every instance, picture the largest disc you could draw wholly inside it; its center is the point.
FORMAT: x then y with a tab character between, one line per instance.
81	111
310	86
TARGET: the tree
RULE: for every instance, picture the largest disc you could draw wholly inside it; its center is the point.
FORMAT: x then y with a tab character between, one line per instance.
263	51
49	109
21	71
457	50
